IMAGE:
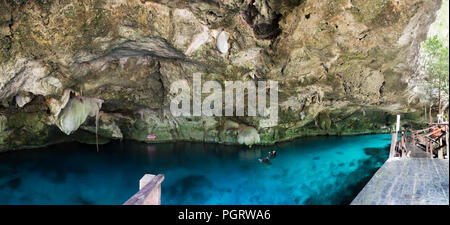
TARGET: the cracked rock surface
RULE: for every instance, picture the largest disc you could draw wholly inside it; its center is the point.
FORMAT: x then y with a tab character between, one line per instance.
343	67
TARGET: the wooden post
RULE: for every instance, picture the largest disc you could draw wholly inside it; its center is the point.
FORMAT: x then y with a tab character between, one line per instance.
430	147
394	138
402	146
441	150
397	128
393	142
446	138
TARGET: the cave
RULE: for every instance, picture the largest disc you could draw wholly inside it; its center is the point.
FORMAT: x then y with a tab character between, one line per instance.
97	96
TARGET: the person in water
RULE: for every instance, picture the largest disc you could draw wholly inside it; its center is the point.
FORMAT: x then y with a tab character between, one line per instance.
265	160
273	154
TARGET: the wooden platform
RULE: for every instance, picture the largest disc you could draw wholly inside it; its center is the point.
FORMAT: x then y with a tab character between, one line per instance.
408	181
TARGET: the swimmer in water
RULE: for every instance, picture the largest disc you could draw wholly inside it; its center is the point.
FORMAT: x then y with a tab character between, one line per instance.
273	154
265	160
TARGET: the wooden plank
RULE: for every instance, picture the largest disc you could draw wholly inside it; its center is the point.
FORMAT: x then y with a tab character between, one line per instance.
407	181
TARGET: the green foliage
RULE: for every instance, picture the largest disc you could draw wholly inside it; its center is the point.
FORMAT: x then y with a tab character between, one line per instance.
436	63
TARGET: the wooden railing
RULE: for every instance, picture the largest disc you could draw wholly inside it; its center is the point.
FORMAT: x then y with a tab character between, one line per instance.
149	191
398	148
433	139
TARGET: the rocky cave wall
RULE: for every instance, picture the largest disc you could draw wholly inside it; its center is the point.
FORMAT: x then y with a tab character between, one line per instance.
342	66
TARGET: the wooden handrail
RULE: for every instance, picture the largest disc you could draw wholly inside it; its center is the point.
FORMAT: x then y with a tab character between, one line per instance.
435	134
420	131
150	191
432	133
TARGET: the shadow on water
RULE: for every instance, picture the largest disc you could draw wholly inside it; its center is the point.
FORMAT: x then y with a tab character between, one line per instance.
348	185
12	183
83	201
190	189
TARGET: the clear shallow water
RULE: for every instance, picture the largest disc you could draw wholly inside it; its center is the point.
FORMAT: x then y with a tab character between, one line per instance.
315	170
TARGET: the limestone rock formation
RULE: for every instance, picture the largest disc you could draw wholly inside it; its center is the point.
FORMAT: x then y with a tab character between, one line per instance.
222	42
343	66
77	110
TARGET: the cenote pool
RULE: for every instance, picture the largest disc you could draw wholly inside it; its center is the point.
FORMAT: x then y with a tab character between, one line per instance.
313	170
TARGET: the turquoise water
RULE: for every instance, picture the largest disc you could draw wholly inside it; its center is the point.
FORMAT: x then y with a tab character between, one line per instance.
315	170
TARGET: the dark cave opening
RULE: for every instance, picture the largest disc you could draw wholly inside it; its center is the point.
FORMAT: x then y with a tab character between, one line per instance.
263	27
